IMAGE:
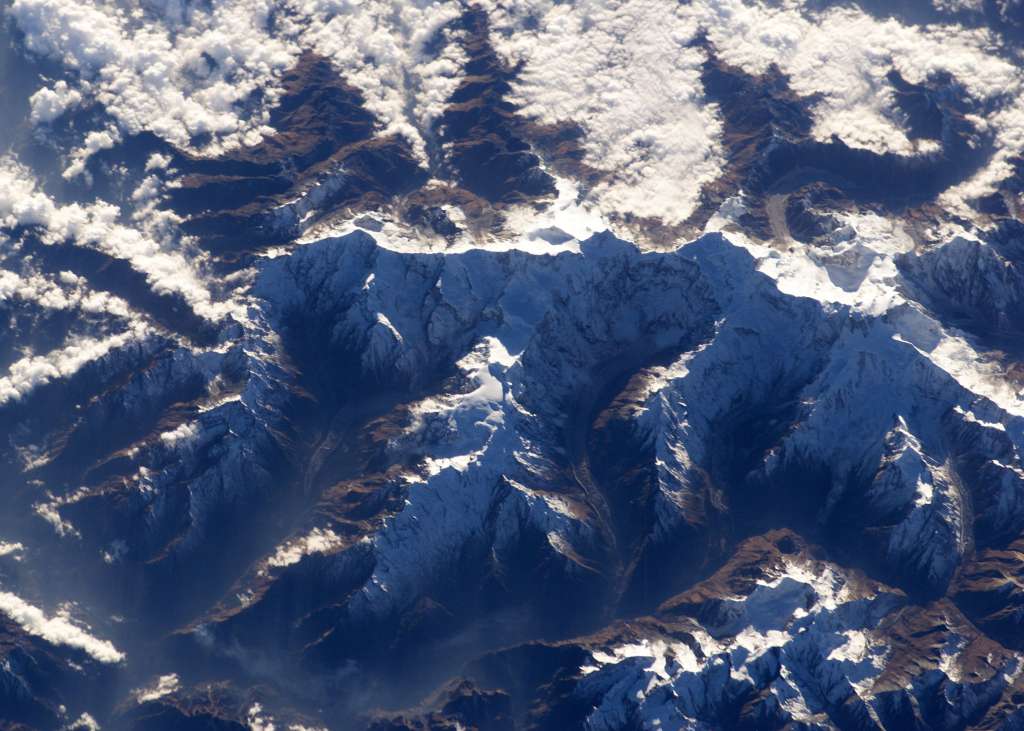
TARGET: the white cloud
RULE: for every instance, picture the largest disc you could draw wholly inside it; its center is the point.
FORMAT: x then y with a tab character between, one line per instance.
49	513
164	685
182	73
68	292
843	54
50	103
157	161
7	549
94	142
954	6
257	721
382	48
318	540
33	371
157	76
622	71
118	549
97	225
625	73
57	630
182	433
85	722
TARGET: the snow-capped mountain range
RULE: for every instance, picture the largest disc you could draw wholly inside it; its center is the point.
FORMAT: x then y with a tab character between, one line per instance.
511	366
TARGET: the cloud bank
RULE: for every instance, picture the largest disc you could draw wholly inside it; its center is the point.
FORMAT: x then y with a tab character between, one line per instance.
625	71
98	226
626	74
57	630
179	73
32	371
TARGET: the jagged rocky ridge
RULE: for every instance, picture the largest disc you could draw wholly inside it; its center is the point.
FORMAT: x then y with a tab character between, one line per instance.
498	422
481	459
776	638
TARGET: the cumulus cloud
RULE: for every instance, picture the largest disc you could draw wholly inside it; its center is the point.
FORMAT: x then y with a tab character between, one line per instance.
48	104
97	225
164	685
57	630
183	433
844	54
257	721
85	722
174	78
9	549
50	513
95	141
50	510
386	49
68	291
625	72
318	540
157	161
184	73
33	371
956	6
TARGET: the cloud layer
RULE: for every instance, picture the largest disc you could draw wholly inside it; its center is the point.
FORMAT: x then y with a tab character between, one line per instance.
178	72
32	371
625	70
98	225
57	630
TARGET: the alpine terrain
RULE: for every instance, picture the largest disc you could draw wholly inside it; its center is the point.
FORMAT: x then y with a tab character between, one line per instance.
511	365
